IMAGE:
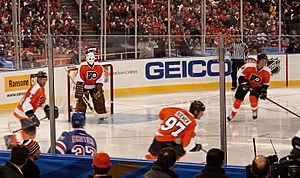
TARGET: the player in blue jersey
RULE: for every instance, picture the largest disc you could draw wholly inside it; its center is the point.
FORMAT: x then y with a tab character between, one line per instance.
78	141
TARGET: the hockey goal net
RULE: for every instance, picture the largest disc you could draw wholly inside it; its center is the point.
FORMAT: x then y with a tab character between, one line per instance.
107	87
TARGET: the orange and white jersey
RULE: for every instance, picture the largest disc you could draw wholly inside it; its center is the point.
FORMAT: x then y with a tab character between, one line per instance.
177	123
34	97
254	76
90	75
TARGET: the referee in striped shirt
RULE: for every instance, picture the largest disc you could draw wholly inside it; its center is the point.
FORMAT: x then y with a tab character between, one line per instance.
238	53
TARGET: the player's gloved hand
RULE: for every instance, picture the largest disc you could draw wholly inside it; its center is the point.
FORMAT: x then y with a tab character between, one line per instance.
47	111
196	148
263	94
33	117
245	85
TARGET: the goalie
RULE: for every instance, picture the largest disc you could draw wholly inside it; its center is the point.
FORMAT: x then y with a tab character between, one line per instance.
90	79
34	97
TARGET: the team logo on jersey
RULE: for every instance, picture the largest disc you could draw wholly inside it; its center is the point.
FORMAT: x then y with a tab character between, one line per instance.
255	78
92	75
274	65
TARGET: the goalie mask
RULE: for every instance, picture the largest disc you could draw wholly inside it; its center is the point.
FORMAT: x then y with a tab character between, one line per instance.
90	58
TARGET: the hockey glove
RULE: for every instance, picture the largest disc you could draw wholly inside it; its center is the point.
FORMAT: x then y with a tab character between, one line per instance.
245	85
263	94
196	148
33	117
47	111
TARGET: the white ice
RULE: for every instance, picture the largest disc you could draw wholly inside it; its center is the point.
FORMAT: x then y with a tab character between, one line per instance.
129	132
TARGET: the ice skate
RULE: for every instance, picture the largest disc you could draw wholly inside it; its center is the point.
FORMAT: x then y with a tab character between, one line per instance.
230	117
254	115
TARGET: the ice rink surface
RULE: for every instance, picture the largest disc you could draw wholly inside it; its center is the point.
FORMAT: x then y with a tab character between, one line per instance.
130	131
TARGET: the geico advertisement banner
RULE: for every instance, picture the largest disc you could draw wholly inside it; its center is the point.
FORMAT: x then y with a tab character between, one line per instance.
139	73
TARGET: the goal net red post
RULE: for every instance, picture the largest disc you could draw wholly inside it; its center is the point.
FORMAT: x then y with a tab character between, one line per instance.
108	88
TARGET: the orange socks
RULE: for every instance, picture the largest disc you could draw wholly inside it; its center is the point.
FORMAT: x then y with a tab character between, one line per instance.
253	102
236	106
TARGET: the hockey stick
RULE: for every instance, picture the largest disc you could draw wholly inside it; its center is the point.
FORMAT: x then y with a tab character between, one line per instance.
254	147
204	150
85	100
26	127
282	107
277	104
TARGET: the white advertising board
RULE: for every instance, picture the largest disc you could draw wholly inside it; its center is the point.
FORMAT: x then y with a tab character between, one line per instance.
151	73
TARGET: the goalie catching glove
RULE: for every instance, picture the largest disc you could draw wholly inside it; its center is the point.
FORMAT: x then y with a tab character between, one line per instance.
196	148
33	117
99	91
47	111
79	90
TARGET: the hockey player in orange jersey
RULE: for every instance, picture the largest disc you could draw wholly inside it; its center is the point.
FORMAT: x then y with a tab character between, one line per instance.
34	97
90	79
253	77
177	130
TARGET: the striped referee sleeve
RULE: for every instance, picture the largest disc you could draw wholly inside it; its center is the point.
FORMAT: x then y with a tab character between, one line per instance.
238	51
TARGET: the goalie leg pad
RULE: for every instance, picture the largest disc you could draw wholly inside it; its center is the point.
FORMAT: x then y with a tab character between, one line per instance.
98	92
99	104
79	90
80	104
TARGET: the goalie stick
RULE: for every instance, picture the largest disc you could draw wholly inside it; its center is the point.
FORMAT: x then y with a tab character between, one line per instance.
85	100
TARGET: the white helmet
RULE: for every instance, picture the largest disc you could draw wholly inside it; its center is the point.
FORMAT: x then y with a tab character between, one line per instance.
90	58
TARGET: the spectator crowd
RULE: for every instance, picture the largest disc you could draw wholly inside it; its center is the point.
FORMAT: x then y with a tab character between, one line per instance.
33	26
260	24
260	21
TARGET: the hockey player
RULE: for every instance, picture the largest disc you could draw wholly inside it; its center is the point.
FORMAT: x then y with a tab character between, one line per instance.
253	77
78	141
34	97
177	130
90	79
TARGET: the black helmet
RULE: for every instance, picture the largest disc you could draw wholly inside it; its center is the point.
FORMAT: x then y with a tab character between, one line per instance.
261	56
196	105
41	74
